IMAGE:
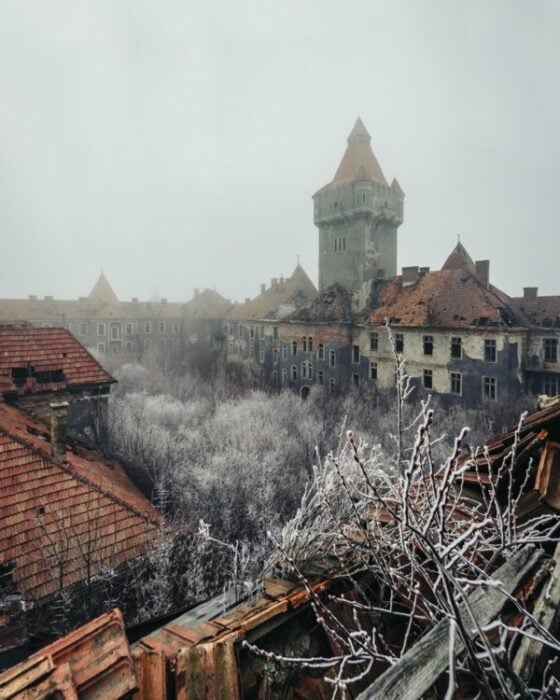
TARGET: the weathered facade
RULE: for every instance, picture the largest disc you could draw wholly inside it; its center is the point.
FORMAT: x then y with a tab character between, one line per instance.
460	335
111	327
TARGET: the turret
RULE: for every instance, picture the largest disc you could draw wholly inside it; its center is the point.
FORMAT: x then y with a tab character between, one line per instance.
358	215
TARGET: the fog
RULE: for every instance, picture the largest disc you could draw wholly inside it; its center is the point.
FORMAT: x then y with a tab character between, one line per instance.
177	144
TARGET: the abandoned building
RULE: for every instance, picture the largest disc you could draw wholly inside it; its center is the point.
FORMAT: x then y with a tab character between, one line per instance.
66	515
111	327
461	336
231	648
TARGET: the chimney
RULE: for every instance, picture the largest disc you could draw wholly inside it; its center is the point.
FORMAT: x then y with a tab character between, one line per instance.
48	298
424	270
410	275
530	293
274	284
263	288
164	302
196	292
32	297
483	272
59	429
134	300
247	300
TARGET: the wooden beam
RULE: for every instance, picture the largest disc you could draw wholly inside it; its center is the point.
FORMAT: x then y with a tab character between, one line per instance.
422	665
546	610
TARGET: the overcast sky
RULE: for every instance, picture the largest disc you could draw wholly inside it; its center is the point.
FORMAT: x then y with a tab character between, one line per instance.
176	144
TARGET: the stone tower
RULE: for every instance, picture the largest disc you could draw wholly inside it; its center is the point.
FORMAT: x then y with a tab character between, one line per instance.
358	215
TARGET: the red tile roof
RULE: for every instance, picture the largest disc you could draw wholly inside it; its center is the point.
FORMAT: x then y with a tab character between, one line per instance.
102	291
541	310
451	298
278	302
459	259
50	511
358	159
207	304
93	661
46	350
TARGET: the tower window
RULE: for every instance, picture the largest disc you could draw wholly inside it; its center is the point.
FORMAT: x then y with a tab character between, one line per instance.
320	376
332	356
284	377
321	352
294	347
294	373
284	352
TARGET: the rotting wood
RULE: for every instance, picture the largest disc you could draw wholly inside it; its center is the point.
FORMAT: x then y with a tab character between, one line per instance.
546	609
422	665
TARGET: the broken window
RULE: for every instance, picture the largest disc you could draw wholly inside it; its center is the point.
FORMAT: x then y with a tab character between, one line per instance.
355	353
489	350
261	355
284	352
284	377
374	340
50	376
294	347
275	332
294	373
20	374
399	342
320	376
373	370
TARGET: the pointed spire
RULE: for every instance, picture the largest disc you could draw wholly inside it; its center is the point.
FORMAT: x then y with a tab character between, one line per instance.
358	161
397	189
359	134
459	258
102	291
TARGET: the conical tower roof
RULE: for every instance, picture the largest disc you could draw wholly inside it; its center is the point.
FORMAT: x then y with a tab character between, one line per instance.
459	258
102	291
358	159
301	280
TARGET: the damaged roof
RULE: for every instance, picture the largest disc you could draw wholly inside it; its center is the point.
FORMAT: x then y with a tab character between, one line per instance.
53	510
94	661
281	299
450	298
45	359
541	311
334	305
207	304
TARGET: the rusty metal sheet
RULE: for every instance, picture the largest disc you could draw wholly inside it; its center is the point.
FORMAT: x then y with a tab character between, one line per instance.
151	674
207	672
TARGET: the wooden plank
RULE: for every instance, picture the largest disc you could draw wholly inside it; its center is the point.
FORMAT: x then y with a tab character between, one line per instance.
545	612
422	665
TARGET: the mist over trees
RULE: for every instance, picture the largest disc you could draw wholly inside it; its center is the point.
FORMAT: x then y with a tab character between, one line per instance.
226	463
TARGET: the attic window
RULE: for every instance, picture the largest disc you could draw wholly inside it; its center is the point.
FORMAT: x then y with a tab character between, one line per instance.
20	374
50	376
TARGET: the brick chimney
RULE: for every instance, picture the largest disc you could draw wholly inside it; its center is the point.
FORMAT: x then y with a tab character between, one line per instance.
483	272
274	284
59	429
410	275
263	288
424	270
530	293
